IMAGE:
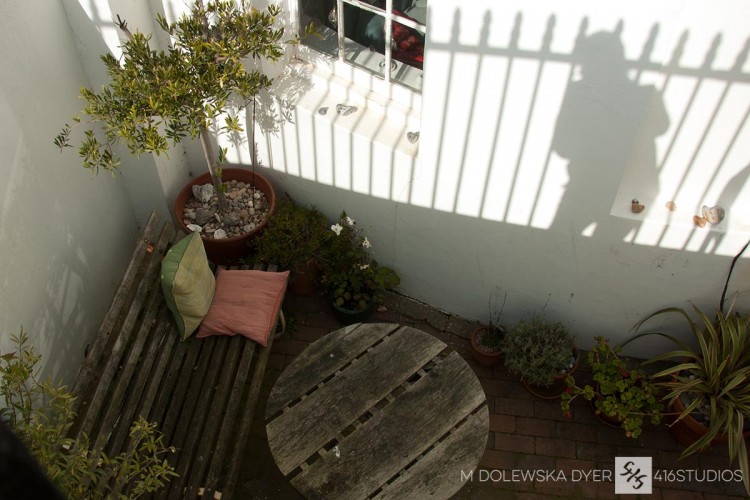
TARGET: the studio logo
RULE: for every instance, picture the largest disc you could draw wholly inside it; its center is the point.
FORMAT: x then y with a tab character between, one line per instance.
633	475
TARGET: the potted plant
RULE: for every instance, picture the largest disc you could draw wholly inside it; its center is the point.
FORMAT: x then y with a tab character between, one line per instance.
158	97
486	341
486	344
41	414
621	396
542	353
353	278
296	239
709	387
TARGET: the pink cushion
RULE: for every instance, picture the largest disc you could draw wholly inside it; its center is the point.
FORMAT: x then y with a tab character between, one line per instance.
245	303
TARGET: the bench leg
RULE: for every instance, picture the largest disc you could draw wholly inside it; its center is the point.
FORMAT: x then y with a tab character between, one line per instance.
282	323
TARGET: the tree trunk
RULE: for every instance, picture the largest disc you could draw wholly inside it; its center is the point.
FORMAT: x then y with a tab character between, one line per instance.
213	166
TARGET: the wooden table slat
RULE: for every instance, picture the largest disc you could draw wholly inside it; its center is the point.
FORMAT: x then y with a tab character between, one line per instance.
457	453
334	351
405	429
302	430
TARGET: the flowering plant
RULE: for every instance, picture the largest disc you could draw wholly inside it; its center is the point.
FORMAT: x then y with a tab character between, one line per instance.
354	278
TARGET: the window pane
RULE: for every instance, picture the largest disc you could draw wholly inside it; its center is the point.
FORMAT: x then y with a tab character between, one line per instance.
364	36
322	13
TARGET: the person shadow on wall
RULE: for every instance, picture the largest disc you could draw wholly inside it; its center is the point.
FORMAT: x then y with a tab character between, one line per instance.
607	121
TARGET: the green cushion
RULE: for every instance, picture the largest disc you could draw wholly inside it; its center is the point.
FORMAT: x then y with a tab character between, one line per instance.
188	283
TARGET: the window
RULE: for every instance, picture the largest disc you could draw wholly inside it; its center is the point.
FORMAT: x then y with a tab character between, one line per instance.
367	25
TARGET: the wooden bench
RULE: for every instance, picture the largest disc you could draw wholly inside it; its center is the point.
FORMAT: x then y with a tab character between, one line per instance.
201	392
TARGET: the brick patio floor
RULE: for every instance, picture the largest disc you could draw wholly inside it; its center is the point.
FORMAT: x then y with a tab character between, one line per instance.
525	434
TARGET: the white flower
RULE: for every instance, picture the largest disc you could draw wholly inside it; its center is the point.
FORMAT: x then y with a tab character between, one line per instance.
366	243
350	221
364	266
336	228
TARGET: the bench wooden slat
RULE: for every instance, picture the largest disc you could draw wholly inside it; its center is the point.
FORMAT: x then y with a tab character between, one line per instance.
181	356
248	412
134	406
128	367
201	393
121	301
200	398
126	333
228	433
216	410
189	402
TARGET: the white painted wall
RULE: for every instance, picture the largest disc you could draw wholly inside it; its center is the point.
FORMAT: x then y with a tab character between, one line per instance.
539	124
151	182
65	234
480	207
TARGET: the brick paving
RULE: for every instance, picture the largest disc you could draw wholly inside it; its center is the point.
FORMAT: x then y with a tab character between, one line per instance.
574	456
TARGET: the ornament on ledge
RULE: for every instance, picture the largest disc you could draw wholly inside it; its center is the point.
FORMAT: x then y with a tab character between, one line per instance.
636	207
712	215
345	110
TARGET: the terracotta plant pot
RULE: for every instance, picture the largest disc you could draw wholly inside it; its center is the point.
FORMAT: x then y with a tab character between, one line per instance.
303	279
557	386
227	251
483	357
688	430
607	420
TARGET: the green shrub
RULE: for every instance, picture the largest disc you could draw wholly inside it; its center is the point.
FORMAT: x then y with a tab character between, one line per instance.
538	350
41	414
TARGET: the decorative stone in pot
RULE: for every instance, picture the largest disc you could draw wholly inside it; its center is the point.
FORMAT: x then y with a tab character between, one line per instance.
226	251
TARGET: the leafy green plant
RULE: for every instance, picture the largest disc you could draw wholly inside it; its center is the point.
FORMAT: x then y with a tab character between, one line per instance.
295	235
492	338
538	350
353	277
160	96
41	415
620	393
716	376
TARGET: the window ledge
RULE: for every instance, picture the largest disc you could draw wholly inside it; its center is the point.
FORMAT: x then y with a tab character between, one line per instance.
377	118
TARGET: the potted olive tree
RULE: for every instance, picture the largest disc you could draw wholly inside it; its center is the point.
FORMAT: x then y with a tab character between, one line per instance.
158	97
542	353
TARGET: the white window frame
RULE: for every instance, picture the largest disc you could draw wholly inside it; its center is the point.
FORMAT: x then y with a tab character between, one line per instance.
381	84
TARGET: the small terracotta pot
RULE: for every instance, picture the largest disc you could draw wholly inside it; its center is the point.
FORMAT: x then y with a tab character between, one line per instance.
227	251
303	279
610	421
483	357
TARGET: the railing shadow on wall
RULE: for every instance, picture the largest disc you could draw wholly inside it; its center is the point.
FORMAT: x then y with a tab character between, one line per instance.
600	60
541	167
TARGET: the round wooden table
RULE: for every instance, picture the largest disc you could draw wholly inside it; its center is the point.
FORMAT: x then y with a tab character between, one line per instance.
377	411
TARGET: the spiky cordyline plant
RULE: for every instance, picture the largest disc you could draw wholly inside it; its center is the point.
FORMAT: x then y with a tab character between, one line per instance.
717	374
160	96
